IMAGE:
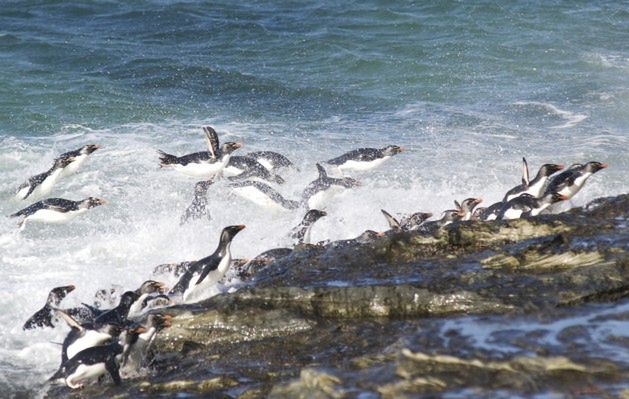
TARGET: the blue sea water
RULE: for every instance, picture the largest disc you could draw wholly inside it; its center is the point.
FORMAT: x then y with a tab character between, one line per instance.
467	87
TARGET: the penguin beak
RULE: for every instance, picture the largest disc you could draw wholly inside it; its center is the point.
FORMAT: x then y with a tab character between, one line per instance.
402	149
604	165
478	201
239	227
237	145
102	201
161	287
380	234
139	330
70	288
560	166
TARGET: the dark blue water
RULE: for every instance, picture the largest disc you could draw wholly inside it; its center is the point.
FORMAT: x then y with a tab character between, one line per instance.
468	88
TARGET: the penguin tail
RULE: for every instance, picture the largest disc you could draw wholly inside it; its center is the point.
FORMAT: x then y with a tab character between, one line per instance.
166	159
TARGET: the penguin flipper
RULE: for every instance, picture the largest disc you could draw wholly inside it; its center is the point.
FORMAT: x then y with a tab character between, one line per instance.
322	173
71	321
393	222
525	172
211	138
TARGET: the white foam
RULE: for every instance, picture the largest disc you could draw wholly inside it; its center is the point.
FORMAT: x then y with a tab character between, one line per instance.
572	119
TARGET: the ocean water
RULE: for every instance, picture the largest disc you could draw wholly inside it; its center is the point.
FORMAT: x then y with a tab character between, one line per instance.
467	89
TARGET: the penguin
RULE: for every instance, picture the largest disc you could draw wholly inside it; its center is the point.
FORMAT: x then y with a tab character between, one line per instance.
409	223
301	233
198	208
261	261
447	217
536	186
41	185
78	158
147	288
205	163
118	315
204	273
44	316
478	213
570	182
56	210
321	189
271	160
262	194
240	168
528	205
492	211
466	208
155	302
366	237
90	364
83	336
138	340
364	158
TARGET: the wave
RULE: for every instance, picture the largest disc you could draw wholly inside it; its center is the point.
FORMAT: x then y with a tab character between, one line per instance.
572	119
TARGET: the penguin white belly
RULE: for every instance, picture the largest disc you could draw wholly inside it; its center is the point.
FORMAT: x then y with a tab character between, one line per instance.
571	191
136	307
203	290
361	165
199	169
74	166
85	372
256	196
537	189
89	340
537	211
491	217
266	163
512	214
48	216
230	171
321	198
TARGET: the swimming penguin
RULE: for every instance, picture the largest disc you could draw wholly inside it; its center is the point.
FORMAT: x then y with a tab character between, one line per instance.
41	185
44	316
301	233
205	163
78	158
364	158
138	340
528	205
198	207
90	364
56	210
570	182
262	194
321	189
466	207
536	186
204	273
240	168
407	223
271	160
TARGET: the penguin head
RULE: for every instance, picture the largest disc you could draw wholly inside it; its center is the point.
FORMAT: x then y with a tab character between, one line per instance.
230	232
313	215
92	202
90	148
230	147
594	166
392	150
201	187
452	215
151	286
550	168
468	204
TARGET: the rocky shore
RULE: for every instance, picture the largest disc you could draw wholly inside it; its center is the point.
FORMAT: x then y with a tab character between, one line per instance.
491	309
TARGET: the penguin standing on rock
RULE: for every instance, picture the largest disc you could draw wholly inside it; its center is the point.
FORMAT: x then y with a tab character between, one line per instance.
204	273
42	184
533	187
318	192
570	182
90	364
528	205
407	223
301	233
44	316
364	158
201	164
56	210
198	207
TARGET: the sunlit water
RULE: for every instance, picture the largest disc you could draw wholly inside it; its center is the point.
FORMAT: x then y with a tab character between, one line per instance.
466	93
